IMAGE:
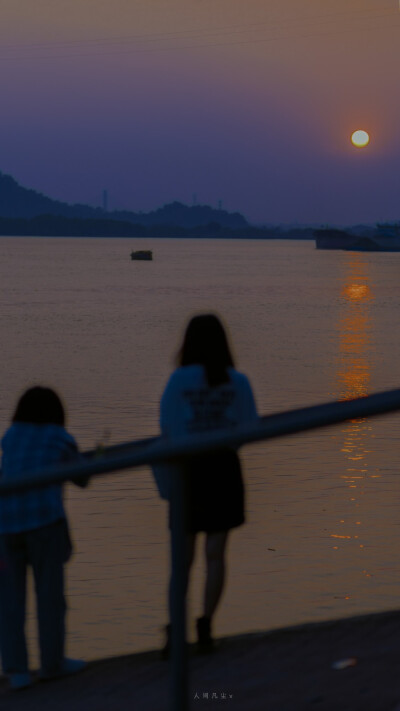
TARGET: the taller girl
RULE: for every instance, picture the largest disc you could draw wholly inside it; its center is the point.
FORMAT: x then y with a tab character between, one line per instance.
205	393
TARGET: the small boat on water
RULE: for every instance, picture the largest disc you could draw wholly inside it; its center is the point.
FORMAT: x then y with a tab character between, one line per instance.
143	254
385	238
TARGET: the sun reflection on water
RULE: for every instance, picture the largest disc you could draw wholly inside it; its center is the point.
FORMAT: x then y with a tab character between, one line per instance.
353	377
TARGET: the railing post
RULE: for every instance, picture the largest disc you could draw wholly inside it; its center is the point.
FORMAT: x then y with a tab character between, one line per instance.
179	700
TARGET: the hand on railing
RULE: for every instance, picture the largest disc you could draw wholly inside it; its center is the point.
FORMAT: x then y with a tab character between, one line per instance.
102	444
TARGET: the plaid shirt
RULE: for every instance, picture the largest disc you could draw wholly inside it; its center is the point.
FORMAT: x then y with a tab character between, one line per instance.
30	448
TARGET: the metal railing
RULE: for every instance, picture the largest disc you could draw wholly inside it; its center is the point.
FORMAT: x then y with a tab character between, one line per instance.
158	449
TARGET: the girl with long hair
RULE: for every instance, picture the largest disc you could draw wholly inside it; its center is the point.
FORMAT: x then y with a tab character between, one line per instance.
206	393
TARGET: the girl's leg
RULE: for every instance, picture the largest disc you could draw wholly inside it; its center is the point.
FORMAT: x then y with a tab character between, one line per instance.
13	561
48	553
215	577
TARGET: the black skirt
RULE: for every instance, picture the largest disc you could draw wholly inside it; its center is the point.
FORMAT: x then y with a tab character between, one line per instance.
213	492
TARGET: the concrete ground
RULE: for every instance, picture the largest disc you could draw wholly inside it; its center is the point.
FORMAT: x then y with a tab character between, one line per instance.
346	665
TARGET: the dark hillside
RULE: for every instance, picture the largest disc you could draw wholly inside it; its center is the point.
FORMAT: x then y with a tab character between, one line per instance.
19	202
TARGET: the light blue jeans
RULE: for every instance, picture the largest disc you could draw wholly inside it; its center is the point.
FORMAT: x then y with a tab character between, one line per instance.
46	550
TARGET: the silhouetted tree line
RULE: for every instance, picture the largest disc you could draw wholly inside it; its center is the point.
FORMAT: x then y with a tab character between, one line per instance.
56	226
25	212
19	202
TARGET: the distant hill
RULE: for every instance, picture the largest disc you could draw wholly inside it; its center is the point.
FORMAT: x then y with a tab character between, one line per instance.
59	226
23	203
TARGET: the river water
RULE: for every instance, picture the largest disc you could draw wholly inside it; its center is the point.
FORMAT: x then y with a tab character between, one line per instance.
322	539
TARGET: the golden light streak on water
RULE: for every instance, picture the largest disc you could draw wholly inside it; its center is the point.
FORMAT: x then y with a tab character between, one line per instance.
354	372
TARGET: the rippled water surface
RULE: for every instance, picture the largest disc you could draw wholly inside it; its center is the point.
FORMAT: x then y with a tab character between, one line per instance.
322	538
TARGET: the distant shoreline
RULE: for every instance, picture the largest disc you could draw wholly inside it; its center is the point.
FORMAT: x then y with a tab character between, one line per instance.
56	226
27	213
289	238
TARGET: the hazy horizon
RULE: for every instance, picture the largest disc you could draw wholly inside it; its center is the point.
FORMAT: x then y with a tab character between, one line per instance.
279	225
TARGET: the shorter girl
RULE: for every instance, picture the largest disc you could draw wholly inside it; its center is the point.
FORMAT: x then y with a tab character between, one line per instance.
34	532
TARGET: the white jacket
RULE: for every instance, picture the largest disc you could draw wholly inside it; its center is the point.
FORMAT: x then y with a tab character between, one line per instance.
190	406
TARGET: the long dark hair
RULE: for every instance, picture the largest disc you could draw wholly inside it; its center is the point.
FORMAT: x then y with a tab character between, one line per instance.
205	343
40	406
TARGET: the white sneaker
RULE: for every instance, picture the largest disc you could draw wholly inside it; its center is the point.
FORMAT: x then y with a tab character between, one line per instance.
20	680
68	666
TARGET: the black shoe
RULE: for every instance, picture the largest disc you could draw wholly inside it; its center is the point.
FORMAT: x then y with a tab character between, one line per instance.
205	642
166	650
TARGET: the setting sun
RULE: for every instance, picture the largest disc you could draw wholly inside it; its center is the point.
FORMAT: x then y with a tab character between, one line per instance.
360	139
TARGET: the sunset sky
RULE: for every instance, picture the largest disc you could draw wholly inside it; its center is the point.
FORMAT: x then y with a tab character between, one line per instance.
252	102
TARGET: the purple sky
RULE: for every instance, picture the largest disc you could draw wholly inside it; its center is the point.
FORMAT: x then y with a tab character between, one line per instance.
251	102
